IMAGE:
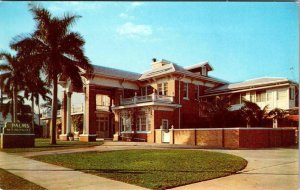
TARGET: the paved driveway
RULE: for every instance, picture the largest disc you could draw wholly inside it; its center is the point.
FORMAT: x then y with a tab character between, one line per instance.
267	169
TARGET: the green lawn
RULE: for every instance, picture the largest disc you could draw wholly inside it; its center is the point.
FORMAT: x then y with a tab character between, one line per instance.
42	144
11	181
155	169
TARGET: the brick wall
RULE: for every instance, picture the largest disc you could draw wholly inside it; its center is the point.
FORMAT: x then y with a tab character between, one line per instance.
184	137
209	138
232	138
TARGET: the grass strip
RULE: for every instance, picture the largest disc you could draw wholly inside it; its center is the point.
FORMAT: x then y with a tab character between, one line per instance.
154	169
11	181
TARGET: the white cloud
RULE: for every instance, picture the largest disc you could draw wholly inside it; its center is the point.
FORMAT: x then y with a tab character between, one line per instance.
134	30
73	6
126	16
136	4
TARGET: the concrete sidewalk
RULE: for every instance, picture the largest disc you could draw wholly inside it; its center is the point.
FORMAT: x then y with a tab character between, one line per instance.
55	177
267	169
271	169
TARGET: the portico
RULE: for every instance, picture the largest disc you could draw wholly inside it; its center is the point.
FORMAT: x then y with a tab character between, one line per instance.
100	92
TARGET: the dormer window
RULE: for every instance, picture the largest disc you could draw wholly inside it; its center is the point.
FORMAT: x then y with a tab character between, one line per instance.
204	72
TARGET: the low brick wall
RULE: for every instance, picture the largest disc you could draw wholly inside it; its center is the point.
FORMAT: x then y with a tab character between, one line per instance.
231	137
209	138
184	137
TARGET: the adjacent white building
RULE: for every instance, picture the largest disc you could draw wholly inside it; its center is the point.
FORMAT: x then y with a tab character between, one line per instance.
267	91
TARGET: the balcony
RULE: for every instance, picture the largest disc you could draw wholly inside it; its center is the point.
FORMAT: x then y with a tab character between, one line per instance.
75	109
149	98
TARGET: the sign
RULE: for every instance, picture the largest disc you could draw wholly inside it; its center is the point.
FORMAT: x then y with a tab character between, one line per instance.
17	128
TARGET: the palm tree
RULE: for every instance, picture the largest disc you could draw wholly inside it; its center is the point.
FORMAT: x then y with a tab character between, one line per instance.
216	111
252	113
276	114
35	88
57	50
11	78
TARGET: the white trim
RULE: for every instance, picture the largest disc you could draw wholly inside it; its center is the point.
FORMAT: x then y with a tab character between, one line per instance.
237	128
87	135
15	134
147	104
244	90
143	132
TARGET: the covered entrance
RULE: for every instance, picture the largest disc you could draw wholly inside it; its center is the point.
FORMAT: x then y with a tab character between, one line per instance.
102	125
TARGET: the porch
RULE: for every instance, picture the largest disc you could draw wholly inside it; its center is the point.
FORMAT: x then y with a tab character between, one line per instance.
149	98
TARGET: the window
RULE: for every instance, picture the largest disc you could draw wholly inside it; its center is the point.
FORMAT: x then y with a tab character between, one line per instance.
146	90
292	93
252	96
125	124
235	99
204	72
260	96
185	90
102	100
281	94
164	124
143	123
162	88
269	96
197	92
243	96
165	91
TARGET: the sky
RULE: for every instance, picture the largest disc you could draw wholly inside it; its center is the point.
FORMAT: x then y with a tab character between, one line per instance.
240	40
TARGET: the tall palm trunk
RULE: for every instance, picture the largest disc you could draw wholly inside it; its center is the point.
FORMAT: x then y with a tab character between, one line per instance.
54	111
14	104
32	110
1	99
39	111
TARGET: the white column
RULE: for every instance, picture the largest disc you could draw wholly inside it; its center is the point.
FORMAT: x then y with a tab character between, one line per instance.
69	94
84	112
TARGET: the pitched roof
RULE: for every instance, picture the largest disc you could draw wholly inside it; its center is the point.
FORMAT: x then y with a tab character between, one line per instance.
115	73
174	68
199	65
248	83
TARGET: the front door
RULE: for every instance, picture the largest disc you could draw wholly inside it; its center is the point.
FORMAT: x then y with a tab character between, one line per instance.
102	127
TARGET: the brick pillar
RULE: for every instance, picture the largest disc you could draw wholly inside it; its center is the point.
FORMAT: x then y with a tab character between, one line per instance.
89	131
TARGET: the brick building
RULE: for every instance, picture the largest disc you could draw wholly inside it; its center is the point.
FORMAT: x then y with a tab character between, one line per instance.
130	106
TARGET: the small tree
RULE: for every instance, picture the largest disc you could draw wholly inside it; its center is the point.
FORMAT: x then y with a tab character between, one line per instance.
216	111
77	122
252	113
276	114
12	78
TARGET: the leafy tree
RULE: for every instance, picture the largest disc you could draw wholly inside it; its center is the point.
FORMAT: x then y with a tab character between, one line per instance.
216	111
57	50
276	114
252	113
12	78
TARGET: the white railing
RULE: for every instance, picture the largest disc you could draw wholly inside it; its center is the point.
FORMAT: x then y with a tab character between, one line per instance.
75	109
149	98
